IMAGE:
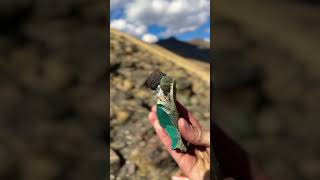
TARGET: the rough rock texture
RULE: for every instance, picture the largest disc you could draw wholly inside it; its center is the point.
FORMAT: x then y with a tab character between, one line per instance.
131	133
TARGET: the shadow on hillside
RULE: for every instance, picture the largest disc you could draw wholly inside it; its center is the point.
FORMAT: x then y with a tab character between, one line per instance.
186	49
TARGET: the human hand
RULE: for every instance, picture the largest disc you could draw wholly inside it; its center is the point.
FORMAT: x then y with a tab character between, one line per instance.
195	163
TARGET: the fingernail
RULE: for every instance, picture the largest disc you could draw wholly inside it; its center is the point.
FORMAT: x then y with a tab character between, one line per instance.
186	124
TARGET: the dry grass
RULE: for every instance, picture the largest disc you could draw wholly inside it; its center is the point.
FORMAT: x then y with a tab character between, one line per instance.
200	69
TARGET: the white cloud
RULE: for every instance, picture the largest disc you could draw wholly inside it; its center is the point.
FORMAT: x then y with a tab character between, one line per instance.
207	39
131	28
117	4
149	38
176	16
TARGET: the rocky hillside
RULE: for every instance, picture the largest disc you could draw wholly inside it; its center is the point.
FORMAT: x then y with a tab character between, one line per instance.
135	149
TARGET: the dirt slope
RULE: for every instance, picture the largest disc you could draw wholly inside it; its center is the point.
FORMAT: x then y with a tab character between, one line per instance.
198	68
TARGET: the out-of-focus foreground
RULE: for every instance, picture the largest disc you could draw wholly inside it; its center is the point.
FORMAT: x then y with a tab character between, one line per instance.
268	82
53	90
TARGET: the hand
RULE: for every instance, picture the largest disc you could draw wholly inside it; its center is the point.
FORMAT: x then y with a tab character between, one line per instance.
195	163
233	159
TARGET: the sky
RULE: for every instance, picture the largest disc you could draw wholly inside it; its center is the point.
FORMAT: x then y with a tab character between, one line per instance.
152	20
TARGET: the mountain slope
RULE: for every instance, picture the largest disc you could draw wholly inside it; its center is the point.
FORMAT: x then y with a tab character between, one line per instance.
199	69
190	50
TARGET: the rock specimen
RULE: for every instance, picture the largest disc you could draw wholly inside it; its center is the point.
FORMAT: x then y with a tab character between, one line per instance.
167	112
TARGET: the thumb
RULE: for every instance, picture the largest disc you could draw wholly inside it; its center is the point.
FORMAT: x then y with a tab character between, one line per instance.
194	135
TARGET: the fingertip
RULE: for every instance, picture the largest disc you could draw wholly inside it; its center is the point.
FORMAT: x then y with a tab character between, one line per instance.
152	117
183	124
184	127
153	108
194	135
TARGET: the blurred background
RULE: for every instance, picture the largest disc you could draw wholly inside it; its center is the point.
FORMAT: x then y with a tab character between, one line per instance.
53	66
266	56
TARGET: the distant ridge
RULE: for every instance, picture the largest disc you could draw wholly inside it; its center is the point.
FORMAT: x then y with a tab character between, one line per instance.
200	69
194	49
201	43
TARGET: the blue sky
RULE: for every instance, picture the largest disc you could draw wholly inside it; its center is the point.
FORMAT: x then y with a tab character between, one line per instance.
151	20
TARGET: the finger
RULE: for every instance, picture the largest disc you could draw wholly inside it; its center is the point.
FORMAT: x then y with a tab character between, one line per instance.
152	117
184	113
179	178
165	139
194	135
153	108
